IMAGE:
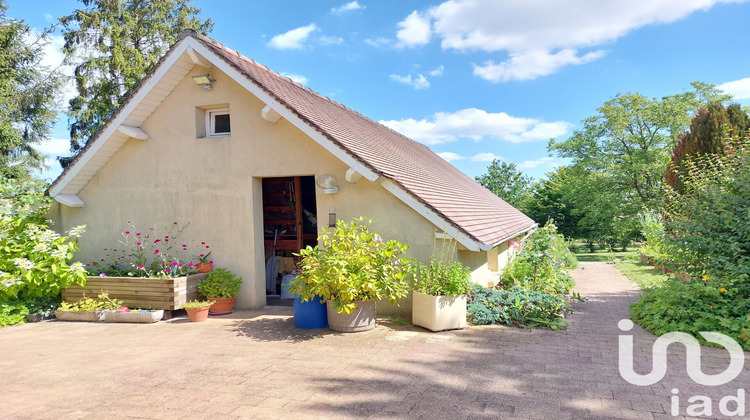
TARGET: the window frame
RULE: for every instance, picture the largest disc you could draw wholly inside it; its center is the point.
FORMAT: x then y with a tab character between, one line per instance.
211	122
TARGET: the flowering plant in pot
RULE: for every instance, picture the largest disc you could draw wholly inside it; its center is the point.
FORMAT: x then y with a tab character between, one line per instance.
351	269
222	288
197	310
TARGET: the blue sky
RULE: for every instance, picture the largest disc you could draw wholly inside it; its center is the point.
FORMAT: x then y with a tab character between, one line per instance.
475	80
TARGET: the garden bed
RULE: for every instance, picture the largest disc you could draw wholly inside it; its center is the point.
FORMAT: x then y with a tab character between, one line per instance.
139	292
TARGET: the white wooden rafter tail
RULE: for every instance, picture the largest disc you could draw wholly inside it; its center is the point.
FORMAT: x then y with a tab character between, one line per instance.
70	200
133	132
352	175
269	114
196	59
433	217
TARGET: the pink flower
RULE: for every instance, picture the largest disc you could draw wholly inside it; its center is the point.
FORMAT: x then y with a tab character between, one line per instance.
137	234
166	237
156	252
202	255
514	244
139	244
157	241
377	239
191	265
206	246
167	269
203	243
210	262
174	263
127	232
180	265
141	267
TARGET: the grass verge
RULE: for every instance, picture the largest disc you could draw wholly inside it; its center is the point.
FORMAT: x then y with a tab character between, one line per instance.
645	276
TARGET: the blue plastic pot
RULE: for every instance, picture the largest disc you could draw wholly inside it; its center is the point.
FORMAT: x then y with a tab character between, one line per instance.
310	315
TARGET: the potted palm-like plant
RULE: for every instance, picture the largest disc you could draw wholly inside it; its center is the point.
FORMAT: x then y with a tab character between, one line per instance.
221	287
197	310
440	291
351	269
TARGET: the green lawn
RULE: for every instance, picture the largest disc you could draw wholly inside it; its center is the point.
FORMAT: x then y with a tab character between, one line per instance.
606	255
645	276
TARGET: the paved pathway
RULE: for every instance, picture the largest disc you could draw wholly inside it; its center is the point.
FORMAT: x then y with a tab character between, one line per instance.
256	365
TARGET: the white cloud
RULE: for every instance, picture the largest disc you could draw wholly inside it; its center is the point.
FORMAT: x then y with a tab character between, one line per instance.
293	39
542	36
417	82
486	157
438	71
330	40
415	30
378	42
347	7
450	156
52	59
531	164
476	124
296	77
739	89
532	64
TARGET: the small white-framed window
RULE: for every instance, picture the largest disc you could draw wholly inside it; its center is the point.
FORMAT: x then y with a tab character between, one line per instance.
218	122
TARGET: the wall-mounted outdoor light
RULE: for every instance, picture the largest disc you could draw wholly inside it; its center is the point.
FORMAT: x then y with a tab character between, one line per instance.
328	184
332	217
203	80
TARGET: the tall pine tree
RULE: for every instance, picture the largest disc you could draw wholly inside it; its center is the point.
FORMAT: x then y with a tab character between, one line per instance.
27	92
113	44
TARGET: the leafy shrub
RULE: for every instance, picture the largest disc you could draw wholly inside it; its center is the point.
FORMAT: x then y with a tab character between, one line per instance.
44	305
350	264
516	306
35	261
693	307
220	284
103	302
12	312
542	263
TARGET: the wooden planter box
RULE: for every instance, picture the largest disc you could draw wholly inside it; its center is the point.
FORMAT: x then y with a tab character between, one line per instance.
438	313
140	292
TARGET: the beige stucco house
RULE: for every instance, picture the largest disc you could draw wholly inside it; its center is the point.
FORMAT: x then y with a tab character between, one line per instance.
249	156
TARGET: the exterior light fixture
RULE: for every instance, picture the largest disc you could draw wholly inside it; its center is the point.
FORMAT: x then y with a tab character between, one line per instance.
203	80
328	184
332	217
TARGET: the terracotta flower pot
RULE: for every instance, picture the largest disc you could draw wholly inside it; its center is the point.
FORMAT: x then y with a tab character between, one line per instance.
203	267
197	314
221	306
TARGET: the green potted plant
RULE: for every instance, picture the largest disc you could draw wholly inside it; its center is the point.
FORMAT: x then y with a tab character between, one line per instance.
42	308
197	310
351	269
221	287
440	291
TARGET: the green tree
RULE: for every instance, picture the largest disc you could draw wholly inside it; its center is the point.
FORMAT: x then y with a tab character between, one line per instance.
631	137
27	92
113	44
507	182
709	130
554	199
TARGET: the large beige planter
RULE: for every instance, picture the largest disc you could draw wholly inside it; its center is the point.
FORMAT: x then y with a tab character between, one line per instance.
79	316
438	313
140	292
362	319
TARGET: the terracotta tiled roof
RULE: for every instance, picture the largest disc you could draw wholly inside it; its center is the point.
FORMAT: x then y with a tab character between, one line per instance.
460	200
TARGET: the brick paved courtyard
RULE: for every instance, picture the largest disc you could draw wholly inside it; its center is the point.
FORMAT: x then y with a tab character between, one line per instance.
257	365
